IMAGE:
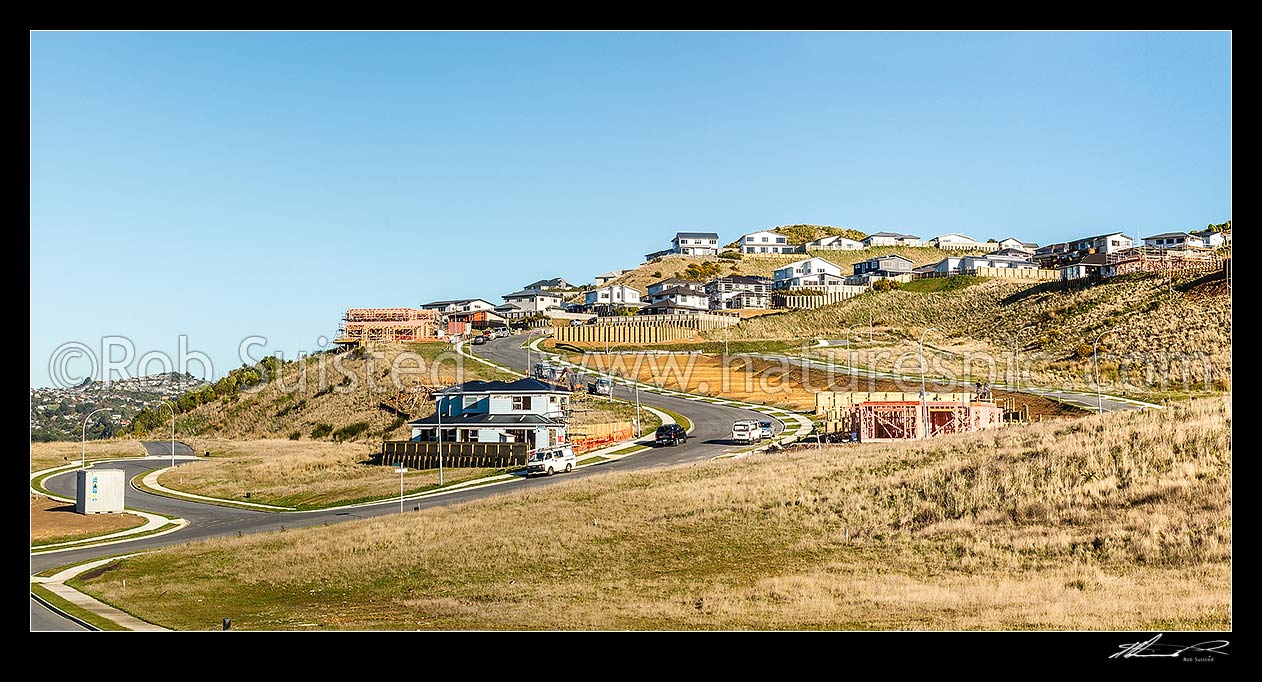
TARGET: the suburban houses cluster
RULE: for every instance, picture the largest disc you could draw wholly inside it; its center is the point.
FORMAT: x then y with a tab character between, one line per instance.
531	413
556	299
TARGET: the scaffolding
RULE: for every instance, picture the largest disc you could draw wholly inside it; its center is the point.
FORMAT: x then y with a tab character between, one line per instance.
365	325
892	416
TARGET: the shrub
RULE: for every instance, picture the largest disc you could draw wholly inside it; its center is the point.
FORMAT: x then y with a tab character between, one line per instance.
321	430
350	431
656	273
399	421
884	285
296	435
732	255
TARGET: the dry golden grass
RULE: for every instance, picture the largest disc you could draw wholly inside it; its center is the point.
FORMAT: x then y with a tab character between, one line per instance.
297	474
1167	334
48	455
773	383
53	521
1121	521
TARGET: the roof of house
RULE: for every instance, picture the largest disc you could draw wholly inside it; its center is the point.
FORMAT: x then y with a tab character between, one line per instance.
742	279
1093	259
532	292
955	234
554	282
804	260
932	267
456	300
482	418
884	234
1015	253
1032	245
1098	236
886	256
1049	248
1166	235
678	291
611	274
669	305
519	386
697	235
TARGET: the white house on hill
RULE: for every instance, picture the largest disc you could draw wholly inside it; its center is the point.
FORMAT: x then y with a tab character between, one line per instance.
833	243
766	241
811	272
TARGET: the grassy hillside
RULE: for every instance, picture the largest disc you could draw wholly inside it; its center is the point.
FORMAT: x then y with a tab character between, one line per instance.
1115	522
345	397
1156	325
764	264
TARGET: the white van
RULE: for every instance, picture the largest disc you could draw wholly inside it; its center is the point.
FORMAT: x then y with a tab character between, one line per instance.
550	461
746	431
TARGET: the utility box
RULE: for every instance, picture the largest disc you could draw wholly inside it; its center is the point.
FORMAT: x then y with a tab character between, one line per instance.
99	491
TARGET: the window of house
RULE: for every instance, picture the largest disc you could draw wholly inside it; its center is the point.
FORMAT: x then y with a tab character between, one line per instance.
749	239
470	401
521	402
471	436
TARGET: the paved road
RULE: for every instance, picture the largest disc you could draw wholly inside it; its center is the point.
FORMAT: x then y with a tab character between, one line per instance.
712	426
163	447
44	619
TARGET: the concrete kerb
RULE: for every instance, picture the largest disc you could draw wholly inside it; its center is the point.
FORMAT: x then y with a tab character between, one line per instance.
56	585
152	521
804	425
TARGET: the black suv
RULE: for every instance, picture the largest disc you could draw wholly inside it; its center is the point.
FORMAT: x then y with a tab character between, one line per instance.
669	434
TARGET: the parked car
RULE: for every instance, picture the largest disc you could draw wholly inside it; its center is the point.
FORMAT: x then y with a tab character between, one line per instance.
576	323
548	462
669	434
479	340
767	430
601	387
746	431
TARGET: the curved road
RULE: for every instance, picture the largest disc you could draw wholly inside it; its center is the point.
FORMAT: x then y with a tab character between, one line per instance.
711	428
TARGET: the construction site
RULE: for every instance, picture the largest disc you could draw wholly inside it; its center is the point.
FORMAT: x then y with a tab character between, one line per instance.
879	417
368	325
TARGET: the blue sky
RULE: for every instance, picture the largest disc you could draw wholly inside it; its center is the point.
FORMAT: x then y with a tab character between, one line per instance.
223	185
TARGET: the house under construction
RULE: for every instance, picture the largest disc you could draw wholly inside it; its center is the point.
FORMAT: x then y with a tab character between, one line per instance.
893	416
364	325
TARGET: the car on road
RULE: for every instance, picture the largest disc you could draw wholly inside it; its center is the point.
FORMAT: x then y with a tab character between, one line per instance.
550	461
576	323
601	387
767	430
746	431
669	434
479	340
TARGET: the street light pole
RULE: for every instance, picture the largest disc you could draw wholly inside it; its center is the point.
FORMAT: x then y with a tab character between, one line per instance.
438	402
400	471
924	406
1095	355
639	418
1016	354
172	408
83	455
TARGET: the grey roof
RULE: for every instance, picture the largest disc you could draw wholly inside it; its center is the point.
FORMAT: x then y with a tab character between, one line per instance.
671	305
1093	259
1032	245
1008	251
675	291
1165	235
884	234
742	279
697	235
888	255
487	419
518	386
554	282
454	300
532	292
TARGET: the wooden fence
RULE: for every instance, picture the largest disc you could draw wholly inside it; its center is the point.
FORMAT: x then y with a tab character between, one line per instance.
1037	274
624	333
424	455
827	298
702	321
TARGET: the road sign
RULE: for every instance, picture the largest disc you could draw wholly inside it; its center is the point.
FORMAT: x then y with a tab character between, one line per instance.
400	471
